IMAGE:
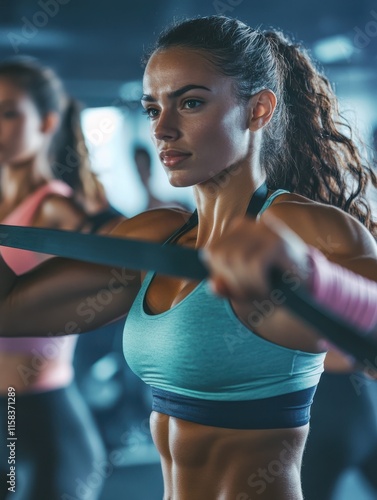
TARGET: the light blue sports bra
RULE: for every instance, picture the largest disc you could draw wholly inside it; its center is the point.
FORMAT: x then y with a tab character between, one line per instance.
200	351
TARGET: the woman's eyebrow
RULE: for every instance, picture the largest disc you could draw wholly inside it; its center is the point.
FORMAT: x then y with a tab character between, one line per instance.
175	93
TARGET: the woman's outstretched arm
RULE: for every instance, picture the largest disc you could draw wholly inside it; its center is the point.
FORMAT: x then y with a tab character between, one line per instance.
63	296
345	281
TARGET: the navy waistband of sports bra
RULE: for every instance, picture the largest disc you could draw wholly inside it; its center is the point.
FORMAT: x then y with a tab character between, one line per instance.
277	412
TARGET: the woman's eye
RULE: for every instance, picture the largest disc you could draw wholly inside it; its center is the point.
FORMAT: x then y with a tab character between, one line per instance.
192	103
151	112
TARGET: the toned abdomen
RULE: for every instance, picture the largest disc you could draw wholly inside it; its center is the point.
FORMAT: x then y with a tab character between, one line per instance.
210	463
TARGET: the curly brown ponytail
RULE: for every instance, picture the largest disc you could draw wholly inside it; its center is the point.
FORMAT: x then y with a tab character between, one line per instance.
304	149
320	162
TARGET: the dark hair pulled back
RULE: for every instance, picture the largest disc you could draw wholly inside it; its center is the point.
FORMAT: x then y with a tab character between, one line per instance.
305	146
69	156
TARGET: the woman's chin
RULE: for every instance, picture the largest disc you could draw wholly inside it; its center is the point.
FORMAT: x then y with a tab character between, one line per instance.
179	180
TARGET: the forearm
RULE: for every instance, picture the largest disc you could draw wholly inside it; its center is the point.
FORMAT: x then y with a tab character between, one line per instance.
62	293
62	297
240	266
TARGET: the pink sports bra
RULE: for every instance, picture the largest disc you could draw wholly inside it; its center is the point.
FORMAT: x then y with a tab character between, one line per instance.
59	349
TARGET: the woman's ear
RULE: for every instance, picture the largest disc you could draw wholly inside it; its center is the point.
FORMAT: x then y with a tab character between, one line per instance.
50	123
262	107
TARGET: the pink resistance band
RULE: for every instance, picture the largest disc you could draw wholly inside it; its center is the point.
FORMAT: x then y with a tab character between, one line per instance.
344	292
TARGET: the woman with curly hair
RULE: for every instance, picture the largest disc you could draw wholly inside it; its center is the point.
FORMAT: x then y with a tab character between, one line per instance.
244	117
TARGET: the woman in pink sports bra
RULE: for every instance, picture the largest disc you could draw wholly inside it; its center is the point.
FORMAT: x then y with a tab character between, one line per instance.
36	120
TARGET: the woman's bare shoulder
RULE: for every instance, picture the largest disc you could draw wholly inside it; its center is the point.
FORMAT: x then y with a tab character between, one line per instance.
153	225
324	226
59	212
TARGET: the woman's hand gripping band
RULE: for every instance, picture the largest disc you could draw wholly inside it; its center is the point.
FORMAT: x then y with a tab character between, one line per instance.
242	262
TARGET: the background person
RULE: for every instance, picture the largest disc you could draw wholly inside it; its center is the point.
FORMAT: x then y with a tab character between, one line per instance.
143	162
58	445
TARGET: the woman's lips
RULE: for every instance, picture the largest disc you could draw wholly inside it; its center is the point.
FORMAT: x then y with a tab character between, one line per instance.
171	158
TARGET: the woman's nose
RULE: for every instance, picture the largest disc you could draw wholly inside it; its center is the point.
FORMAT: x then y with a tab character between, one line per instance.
166	127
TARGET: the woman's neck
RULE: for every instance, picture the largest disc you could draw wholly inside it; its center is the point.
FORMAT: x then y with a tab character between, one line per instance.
18	181
223	198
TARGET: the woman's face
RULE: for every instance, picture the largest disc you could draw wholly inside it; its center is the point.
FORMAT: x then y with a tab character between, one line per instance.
21	135
198	125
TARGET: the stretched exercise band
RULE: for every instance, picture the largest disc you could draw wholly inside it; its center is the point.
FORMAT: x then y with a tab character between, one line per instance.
175	260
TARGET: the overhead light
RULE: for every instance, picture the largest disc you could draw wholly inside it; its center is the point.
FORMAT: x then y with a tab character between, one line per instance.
333	49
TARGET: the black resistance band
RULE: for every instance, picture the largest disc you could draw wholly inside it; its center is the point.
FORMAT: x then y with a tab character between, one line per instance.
184	262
